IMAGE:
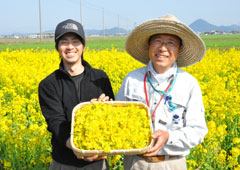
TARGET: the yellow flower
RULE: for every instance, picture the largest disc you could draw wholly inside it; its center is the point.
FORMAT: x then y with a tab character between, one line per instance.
236	140
222	158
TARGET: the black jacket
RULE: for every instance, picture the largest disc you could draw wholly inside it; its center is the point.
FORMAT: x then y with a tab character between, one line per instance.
58	96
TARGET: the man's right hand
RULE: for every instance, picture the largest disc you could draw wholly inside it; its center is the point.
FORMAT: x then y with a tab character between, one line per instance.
102	98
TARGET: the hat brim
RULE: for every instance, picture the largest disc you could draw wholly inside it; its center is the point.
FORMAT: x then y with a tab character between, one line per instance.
193	46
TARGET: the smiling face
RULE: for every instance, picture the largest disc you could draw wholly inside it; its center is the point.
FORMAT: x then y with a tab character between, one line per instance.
163	51
70	49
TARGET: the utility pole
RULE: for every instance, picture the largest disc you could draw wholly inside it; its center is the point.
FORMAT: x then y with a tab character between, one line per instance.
118	26
81	12
40	19
127	26
103	23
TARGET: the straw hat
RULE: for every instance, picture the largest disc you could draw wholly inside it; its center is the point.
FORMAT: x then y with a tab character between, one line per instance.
193	46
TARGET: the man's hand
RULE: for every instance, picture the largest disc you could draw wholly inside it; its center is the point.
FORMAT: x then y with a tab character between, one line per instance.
85	158
161	137
68	144
102	98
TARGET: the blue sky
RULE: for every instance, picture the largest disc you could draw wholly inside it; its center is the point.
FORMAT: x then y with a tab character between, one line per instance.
22	16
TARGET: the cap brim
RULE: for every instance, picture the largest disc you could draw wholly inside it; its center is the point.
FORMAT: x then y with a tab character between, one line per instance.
63	33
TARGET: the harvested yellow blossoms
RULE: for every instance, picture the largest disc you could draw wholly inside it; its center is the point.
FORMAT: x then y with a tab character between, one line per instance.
108	127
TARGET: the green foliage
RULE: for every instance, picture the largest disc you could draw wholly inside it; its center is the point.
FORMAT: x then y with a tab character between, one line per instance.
108	42
222	41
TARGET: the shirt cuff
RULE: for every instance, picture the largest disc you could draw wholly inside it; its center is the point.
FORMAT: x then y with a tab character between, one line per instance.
173	139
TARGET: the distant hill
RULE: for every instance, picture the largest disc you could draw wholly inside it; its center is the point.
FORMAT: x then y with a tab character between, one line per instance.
201	25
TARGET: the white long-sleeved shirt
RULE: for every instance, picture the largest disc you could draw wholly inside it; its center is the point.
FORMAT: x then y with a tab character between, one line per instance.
186	125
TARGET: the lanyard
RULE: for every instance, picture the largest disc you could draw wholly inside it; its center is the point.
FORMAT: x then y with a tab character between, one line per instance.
164	93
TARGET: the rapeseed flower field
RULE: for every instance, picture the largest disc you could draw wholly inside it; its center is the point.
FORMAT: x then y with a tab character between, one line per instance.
25	141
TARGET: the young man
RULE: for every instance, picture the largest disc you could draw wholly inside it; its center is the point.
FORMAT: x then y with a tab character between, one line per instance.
172	95
74	82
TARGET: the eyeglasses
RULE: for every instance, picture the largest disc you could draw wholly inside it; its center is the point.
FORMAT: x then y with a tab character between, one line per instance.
167	44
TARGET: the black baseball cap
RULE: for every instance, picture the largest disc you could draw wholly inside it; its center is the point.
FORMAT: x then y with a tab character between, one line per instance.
69	26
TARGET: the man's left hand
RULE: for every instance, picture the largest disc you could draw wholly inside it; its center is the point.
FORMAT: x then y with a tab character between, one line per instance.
161	137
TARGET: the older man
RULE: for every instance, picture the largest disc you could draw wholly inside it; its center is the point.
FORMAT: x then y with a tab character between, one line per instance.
172	95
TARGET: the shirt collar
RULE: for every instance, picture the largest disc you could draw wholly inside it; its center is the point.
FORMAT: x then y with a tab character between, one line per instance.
164	76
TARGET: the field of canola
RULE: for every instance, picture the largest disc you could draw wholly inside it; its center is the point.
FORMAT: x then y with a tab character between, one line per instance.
25	141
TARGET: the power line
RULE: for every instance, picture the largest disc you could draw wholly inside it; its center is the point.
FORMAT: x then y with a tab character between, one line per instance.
95	7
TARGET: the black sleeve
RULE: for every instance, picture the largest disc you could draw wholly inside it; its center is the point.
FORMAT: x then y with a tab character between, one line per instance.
107	88
53	112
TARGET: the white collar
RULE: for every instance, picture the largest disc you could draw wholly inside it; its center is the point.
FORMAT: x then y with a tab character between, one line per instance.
164	76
